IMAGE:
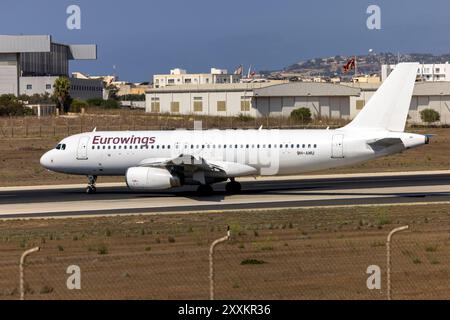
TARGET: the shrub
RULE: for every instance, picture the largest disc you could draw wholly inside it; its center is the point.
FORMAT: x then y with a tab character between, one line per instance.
10	106
96	102
110	104
302	114
430	116
252	262
245	118
77	105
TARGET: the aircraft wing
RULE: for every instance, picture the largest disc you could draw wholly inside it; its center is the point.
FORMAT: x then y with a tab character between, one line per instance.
199	168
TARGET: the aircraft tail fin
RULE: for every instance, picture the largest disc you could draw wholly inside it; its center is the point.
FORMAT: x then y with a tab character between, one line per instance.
388	108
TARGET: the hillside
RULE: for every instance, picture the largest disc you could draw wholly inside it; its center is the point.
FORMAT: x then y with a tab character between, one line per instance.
367	64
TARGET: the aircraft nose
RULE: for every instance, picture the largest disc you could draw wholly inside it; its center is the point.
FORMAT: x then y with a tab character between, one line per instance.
47	161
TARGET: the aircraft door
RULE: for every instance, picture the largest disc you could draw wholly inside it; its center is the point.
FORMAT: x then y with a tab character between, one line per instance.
338	147
82	148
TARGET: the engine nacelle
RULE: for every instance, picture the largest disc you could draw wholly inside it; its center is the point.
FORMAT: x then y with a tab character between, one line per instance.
142	178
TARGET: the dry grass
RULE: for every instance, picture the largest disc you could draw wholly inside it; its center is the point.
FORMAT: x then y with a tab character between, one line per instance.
288	254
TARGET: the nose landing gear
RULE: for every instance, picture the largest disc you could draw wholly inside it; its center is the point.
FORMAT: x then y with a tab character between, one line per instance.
91	189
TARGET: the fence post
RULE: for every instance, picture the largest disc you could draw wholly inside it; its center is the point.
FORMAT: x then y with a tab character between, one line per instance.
388	245
21	270
211	262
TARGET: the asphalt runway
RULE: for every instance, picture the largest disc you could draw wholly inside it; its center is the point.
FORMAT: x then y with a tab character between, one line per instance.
276	193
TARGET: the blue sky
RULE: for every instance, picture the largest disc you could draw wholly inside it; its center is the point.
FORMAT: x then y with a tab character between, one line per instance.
143	37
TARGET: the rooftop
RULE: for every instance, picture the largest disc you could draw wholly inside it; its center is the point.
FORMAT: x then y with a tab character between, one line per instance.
43	43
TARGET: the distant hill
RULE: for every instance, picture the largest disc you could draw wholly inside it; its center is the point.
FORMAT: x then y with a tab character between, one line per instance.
367	64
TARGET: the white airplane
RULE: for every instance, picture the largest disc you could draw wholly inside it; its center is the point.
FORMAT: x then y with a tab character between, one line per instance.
157	160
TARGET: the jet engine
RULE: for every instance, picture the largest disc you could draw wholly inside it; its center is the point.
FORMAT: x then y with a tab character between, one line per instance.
143	178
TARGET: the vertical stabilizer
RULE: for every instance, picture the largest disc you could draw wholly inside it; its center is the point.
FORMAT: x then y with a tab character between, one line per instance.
389	107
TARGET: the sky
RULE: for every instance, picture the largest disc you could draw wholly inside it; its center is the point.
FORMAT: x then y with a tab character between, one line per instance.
146	37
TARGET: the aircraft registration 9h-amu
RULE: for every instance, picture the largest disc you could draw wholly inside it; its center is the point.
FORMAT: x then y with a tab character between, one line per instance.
158	160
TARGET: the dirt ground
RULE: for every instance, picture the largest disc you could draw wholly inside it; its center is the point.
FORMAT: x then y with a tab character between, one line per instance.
19	159
289	254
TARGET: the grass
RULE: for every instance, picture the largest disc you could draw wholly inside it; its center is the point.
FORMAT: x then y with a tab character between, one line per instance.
252	262
431	248
327	260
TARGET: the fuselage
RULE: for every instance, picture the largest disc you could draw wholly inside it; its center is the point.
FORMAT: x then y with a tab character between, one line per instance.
269	152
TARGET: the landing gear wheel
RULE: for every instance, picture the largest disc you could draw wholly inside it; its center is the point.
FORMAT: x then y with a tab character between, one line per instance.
205	190
233	187
91	190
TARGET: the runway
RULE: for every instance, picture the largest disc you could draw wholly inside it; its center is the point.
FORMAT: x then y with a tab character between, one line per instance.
267	193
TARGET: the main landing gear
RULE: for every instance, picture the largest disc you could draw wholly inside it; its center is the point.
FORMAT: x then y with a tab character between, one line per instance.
205	190
91	189
233	187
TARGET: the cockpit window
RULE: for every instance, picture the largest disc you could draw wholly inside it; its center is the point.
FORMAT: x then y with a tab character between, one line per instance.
61	147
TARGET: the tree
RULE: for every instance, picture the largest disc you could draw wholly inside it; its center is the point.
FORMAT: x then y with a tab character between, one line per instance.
77	105
10	106
302	114
430	116
61	93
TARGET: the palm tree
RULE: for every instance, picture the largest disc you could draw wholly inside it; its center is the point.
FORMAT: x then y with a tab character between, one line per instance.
61	93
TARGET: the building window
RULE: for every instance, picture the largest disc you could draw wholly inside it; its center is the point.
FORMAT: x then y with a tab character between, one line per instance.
171	81
29	87
187	81
48	87
360	104
221	106
245	104
175	107
155	105
198	104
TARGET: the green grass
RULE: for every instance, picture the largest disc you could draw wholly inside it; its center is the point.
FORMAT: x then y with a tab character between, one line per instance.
252	262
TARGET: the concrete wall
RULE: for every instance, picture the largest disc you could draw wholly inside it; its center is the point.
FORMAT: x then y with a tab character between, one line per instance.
80	88
439	103
9	74
209	100
335	107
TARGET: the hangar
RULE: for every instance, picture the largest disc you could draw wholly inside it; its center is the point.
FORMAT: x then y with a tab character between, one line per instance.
30	64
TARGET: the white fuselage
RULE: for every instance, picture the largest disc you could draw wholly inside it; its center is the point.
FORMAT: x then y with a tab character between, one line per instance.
269	152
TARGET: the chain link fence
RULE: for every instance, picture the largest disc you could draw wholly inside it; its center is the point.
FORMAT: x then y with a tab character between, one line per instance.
24	127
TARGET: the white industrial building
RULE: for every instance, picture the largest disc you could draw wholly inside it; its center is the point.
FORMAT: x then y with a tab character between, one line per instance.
179	77
31	64
253	99
426	72
342	101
